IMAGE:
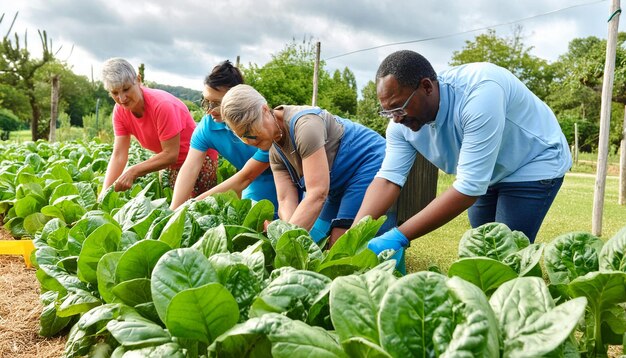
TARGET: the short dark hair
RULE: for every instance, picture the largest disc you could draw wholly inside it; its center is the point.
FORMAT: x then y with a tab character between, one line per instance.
408	67
224	75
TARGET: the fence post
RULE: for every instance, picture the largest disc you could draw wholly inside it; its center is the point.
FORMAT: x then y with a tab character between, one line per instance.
419	190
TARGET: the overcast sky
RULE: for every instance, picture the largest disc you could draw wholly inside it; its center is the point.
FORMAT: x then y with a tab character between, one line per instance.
179	41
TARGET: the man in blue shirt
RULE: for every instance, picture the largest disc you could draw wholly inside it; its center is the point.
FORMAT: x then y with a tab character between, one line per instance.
477	121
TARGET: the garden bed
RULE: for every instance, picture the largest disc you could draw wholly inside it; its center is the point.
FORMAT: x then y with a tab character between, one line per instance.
20	309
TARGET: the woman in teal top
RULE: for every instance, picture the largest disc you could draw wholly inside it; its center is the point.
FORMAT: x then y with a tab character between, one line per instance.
253	179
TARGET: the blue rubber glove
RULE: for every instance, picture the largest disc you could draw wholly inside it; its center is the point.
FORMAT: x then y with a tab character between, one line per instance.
392	239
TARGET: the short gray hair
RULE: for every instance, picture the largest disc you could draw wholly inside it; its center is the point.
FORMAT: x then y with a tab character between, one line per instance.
242	107
116	72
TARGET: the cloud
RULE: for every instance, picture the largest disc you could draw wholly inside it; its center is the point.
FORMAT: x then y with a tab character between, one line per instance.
180	41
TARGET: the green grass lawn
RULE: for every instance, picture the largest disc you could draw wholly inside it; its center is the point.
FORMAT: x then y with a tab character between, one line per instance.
63	134
571	211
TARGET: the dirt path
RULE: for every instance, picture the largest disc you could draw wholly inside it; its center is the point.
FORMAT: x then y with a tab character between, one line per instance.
19	311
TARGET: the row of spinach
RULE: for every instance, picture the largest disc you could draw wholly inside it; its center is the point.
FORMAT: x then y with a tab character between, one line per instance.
206	280
129	277
40	181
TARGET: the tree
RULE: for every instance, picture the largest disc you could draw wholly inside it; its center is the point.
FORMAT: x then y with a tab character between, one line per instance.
77	97
339	93
8	123
368	108
511	54
288	79
19	69
576	90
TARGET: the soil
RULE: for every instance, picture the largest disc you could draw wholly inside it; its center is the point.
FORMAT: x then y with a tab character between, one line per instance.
19	311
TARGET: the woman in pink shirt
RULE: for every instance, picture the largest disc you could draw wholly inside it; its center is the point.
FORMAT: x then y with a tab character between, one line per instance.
159	121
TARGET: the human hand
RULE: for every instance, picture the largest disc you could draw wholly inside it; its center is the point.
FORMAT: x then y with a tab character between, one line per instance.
125	181
392	239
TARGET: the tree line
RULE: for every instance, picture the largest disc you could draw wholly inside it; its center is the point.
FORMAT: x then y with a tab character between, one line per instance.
571	85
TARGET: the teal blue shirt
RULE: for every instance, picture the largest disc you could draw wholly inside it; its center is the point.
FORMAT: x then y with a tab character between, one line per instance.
210	134
490	128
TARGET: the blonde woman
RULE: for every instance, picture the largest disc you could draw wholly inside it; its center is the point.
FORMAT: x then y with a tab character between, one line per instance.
322	164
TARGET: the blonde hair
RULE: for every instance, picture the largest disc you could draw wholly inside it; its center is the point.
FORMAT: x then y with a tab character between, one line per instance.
117	72
242	108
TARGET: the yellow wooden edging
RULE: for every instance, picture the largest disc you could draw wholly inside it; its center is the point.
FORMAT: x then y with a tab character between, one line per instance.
17	247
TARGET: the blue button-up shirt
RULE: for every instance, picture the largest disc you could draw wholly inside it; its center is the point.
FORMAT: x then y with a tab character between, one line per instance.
489	128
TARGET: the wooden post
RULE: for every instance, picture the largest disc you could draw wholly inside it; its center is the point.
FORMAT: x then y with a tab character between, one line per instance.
316	70
576	143
419	189
605	119
54	108
622	165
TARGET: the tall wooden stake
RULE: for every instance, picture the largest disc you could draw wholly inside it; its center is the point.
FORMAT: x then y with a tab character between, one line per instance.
575	143
316	73
54	108
622	165
605	119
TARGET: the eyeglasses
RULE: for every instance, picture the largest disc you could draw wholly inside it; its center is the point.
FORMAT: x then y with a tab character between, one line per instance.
210	106
397	112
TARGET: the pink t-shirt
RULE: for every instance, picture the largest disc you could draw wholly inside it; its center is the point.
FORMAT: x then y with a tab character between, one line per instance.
164	116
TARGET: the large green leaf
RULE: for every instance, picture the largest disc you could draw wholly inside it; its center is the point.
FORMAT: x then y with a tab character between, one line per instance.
238	278
35	222
139	260
142	226
358	347
172	232
348	265
355	302
67	206
260	212
290	250
59	172
214	241
476	331
27	205
138	333
613	253
493	240
54	233
274	335
133	292
277	228
77	302
170	350
530	325
87	196
418	318
65	189
570	256
355	239
101	241
483	272
526	262
292	293
202	313
105	273
176	271
49	322
603	291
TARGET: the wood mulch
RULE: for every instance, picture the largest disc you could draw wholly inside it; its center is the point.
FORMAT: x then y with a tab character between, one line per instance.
19	311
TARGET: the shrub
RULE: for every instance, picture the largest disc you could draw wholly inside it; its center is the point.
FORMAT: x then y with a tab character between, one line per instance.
8	122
